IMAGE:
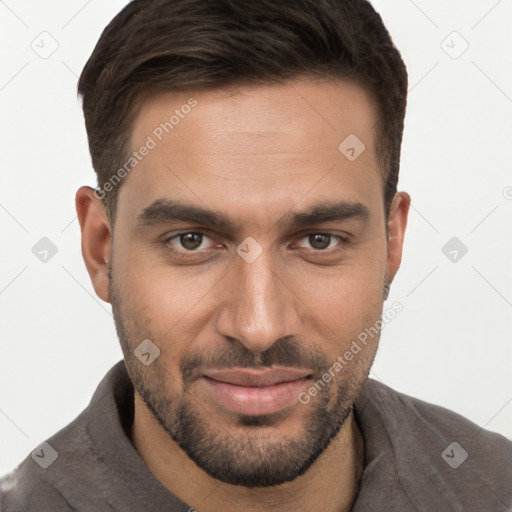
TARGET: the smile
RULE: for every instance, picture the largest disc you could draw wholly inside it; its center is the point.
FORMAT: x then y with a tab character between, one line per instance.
255	392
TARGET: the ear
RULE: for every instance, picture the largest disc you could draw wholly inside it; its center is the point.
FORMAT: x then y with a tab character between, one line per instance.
397	223
96	240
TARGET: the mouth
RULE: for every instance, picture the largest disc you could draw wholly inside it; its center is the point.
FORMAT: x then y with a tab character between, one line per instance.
255	392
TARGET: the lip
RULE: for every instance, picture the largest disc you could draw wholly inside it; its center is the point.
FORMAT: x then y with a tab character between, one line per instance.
255	392
249	377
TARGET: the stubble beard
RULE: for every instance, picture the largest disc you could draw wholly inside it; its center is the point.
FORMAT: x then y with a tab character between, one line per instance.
253	455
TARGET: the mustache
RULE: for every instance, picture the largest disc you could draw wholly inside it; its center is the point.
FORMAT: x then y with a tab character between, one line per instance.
284	352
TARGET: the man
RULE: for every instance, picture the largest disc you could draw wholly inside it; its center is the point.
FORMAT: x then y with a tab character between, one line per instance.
246	229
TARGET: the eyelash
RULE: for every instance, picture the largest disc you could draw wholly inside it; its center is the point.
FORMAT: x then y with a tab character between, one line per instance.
194	253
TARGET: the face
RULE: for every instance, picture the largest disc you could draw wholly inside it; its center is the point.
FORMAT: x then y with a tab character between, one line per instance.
252	252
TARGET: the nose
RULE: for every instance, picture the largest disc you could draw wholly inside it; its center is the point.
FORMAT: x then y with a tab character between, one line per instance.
258	306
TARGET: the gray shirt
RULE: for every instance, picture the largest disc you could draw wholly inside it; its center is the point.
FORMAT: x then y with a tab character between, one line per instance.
418	457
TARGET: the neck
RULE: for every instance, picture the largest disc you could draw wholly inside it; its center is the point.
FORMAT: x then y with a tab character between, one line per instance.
329	485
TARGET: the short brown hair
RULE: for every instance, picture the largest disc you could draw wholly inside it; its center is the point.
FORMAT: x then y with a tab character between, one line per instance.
180	44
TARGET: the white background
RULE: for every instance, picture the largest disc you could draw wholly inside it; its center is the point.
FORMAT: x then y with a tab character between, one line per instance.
451	344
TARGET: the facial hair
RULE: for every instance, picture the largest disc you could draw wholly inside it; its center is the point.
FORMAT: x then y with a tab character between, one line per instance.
252	455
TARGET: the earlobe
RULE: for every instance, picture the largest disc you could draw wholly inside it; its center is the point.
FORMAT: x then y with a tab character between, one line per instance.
397	224
96	239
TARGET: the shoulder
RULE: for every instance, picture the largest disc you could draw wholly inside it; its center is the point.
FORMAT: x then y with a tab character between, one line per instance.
449	455
429	419
27	488
62	472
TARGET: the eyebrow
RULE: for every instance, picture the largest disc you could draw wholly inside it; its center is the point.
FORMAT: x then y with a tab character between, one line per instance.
162	211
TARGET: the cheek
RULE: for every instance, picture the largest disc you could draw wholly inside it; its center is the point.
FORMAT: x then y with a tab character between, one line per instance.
342	302
167	305
157	289
354	285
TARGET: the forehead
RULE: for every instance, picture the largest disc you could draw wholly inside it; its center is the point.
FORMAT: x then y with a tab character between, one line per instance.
256	146
320	108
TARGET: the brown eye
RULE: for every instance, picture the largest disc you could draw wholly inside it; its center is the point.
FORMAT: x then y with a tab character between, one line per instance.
319	240
191	241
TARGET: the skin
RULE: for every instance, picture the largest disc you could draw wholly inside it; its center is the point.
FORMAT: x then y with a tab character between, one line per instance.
255	154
